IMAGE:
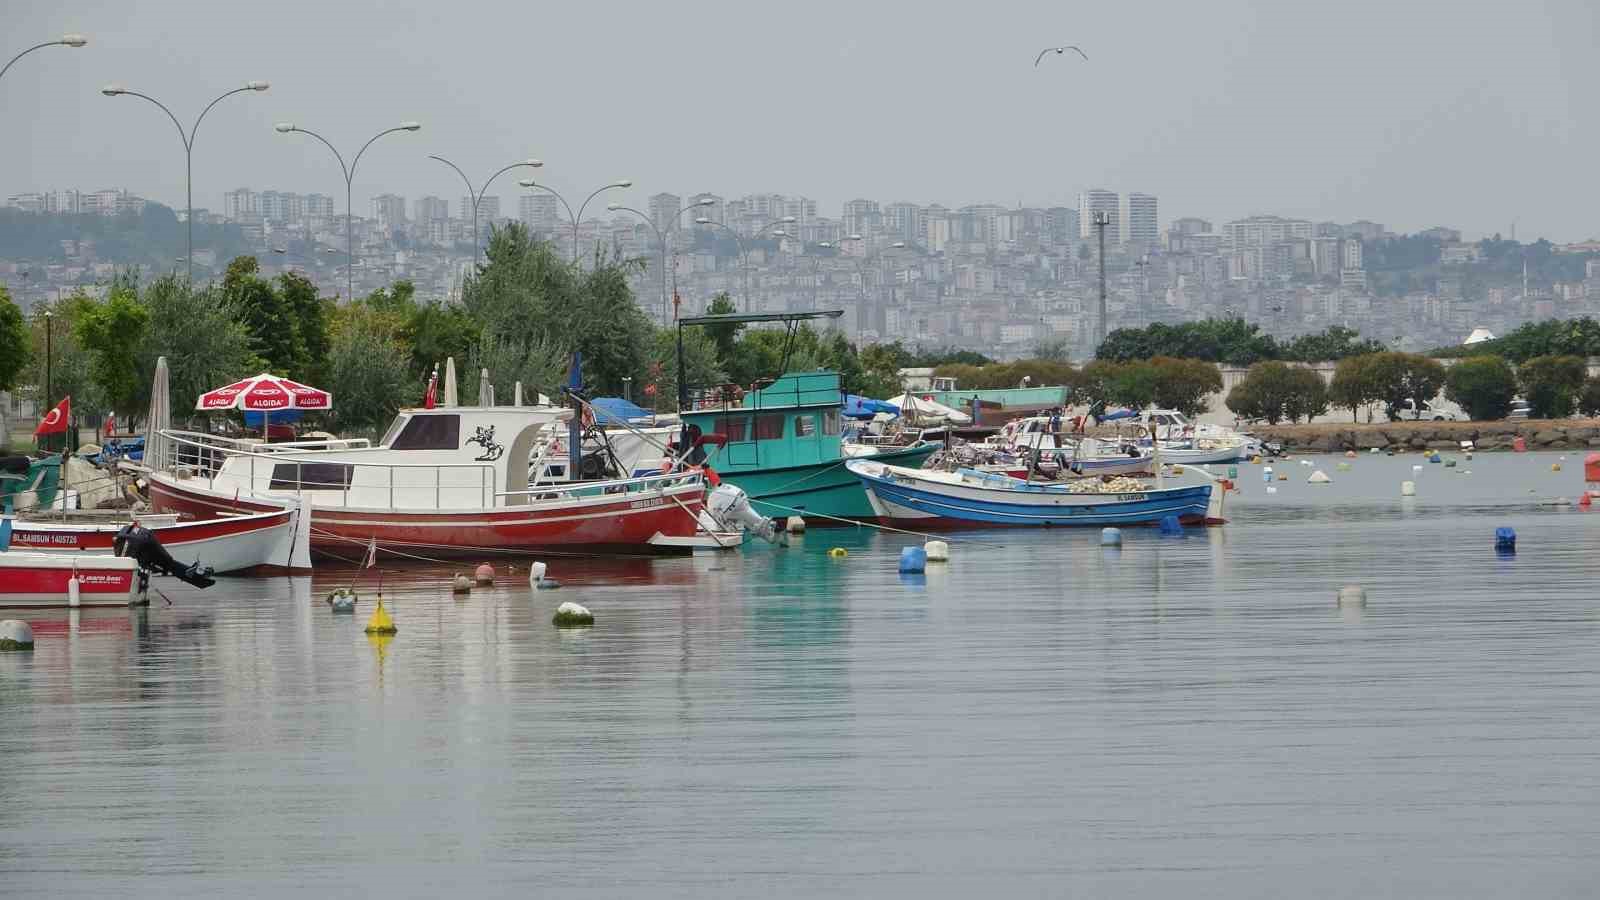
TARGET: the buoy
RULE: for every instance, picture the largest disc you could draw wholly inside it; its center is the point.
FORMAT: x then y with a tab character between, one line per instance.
380	623
1585	500
1271	489
913	560
1591	467
1375	450
1111	537
1307	462
1266	474
1555	467
74	592
16	634
1352	595
1255	460
1408	488
1171	526
572	615
838	553
484	574
1349	454
1233	472
795	525
1343	467
1283	476
1416	468
1449	464
1505	539
1319	477
938	551
536	573
1434	458
343	600
460	584
1519	444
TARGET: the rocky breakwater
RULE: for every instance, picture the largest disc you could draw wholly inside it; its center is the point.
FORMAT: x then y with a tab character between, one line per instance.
1333	437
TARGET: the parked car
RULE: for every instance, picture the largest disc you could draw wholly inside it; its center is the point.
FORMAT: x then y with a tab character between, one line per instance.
1437	411
1520	409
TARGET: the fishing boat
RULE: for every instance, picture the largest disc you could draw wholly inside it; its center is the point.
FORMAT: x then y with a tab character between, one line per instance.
274	542
449	481
969	498
29	578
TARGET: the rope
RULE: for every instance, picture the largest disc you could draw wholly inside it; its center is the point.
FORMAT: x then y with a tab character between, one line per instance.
816	515
502	550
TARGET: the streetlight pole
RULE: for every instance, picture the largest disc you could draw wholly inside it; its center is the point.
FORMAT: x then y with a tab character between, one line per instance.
66	40
1101	220
661	240
349	179
677	221
477	198
578	216
744	260
117	90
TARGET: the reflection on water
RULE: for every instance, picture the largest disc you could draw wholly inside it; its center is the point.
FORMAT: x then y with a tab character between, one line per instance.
1041	716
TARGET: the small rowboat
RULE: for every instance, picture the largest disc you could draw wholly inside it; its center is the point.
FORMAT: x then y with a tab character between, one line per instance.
272	542
40	579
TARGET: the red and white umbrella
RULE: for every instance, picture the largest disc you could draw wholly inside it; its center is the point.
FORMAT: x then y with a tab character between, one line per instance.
265	393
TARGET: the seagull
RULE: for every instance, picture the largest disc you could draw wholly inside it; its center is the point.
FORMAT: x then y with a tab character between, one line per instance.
1059	50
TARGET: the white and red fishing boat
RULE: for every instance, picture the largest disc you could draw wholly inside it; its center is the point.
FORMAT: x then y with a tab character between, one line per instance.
28	578
273	542
451	480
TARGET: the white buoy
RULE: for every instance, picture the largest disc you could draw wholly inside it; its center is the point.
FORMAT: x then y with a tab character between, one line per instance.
1352	595
795	525
342	600
536	573
1307	462
1416	468
1112	537
74	592
1272	489
16	634
572	615
1408	488
1319	477
460	584
938	551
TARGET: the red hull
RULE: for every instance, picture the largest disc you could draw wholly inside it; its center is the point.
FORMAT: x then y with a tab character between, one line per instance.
28	536
624	525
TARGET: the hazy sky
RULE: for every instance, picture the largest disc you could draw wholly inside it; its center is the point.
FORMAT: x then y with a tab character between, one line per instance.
1471	114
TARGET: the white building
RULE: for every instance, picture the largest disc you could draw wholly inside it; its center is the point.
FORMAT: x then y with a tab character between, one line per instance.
1140	222
432	209
1099	201
539	211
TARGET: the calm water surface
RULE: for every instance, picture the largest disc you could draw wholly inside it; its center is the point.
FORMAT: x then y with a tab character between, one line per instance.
1186	716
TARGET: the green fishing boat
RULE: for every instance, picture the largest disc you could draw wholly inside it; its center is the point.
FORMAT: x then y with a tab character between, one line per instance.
781	443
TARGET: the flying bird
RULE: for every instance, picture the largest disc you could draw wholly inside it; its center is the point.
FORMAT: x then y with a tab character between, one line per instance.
1059	50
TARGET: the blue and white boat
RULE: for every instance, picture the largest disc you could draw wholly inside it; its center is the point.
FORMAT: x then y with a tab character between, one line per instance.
971	498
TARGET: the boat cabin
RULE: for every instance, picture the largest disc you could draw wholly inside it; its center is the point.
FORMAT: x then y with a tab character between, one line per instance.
794	421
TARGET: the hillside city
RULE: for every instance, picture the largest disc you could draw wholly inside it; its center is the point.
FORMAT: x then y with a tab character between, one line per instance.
1002	281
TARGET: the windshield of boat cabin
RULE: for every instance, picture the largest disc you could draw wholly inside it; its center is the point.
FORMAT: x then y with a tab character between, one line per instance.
431	432
394	430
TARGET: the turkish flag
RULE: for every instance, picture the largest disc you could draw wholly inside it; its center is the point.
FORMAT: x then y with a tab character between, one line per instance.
55	421
431	398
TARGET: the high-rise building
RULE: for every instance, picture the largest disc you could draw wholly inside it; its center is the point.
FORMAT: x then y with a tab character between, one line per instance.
1189	225
488	209
1352	253
1096	201
1140	223
903	221
861	216
432	209
319	206
716	210
241	205
663	210
275	206
1061	224
1260	231
538	211
389	210
935	228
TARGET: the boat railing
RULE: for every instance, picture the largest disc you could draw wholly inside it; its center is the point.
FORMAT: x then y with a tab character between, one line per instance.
462	484
662	483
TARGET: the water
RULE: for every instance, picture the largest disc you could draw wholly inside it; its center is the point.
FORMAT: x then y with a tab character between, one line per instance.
1186	715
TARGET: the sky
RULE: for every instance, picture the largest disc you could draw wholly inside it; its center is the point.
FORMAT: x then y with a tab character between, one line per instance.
1412	113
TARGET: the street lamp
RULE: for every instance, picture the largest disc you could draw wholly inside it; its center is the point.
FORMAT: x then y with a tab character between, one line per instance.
66	40
744	259
661	240
349	179
677	221
478	197
117	90
578	217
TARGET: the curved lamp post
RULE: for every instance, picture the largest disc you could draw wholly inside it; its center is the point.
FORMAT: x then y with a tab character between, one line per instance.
661	241
117	90
578	217
477	198
349	179
66	40
744	259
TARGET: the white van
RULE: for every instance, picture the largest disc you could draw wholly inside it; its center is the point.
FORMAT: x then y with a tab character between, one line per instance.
1440	410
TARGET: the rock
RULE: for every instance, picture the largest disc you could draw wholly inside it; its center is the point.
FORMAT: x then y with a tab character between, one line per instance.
1442	445
15	634
1546	437
572	615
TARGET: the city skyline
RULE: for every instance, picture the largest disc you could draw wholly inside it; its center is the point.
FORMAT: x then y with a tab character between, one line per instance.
1211	134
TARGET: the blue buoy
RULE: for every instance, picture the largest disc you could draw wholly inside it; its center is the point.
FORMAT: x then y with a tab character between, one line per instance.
913	560
1505	539
1233	472
1111	537
1171	525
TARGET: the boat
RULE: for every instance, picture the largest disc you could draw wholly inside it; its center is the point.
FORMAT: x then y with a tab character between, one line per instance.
1188	442
261	543
781	443
1065	453
969	498
446	481
30	578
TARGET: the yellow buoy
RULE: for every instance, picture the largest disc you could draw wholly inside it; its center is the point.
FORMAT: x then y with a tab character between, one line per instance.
1555	467
380	623
838	552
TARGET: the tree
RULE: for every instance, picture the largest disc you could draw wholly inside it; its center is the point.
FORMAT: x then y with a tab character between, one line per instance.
272	323
1552	384
69	362
1185	384
1333	343
111	332
880	365
1274	391
699	358
723	336
1056	349
1589	399
1307	395
1232	341
311	316
202	335
14	349
1483	386
1398	377
366	371
1352	386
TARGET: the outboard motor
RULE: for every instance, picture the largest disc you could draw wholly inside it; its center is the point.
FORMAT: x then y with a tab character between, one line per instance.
730	504
140	543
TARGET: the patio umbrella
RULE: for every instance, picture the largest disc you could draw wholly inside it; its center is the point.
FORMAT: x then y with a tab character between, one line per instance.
449	381
160	418
265	393
516	394
485	389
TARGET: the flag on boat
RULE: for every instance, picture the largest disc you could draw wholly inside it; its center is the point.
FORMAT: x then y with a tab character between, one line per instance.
431	398
372	553
55	421
111	424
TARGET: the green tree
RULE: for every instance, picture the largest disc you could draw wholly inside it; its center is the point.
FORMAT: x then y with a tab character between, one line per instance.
1552	384
723	336
202	334
1333	343
1185	384
1398	377
1275	391
699	359
1232	341
1589	398
14	349
272	323
311	315
881	365
1483	386
1352	386
436	331
69	374
111	333
1307	395
366	371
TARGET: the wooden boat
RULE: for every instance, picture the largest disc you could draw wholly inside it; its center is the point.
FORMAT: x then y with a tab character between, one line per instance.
274	542
969	498
445	481
29	578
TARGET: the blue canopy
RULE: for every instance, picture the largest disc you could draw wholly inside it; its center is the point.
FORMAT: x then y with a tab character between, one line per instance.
608	410
252	418
1118	414
865	407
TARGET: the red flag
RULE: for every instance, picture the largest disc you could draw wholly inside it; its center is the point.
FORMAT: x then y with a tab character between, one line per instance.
55	421
111	424
431	398
372	553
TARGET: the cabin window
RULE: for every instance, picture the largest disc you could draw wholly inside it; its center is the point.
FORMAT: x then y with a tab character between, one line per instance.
769	427
394	430
438	432
805	426
734	428
830	422
311	476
